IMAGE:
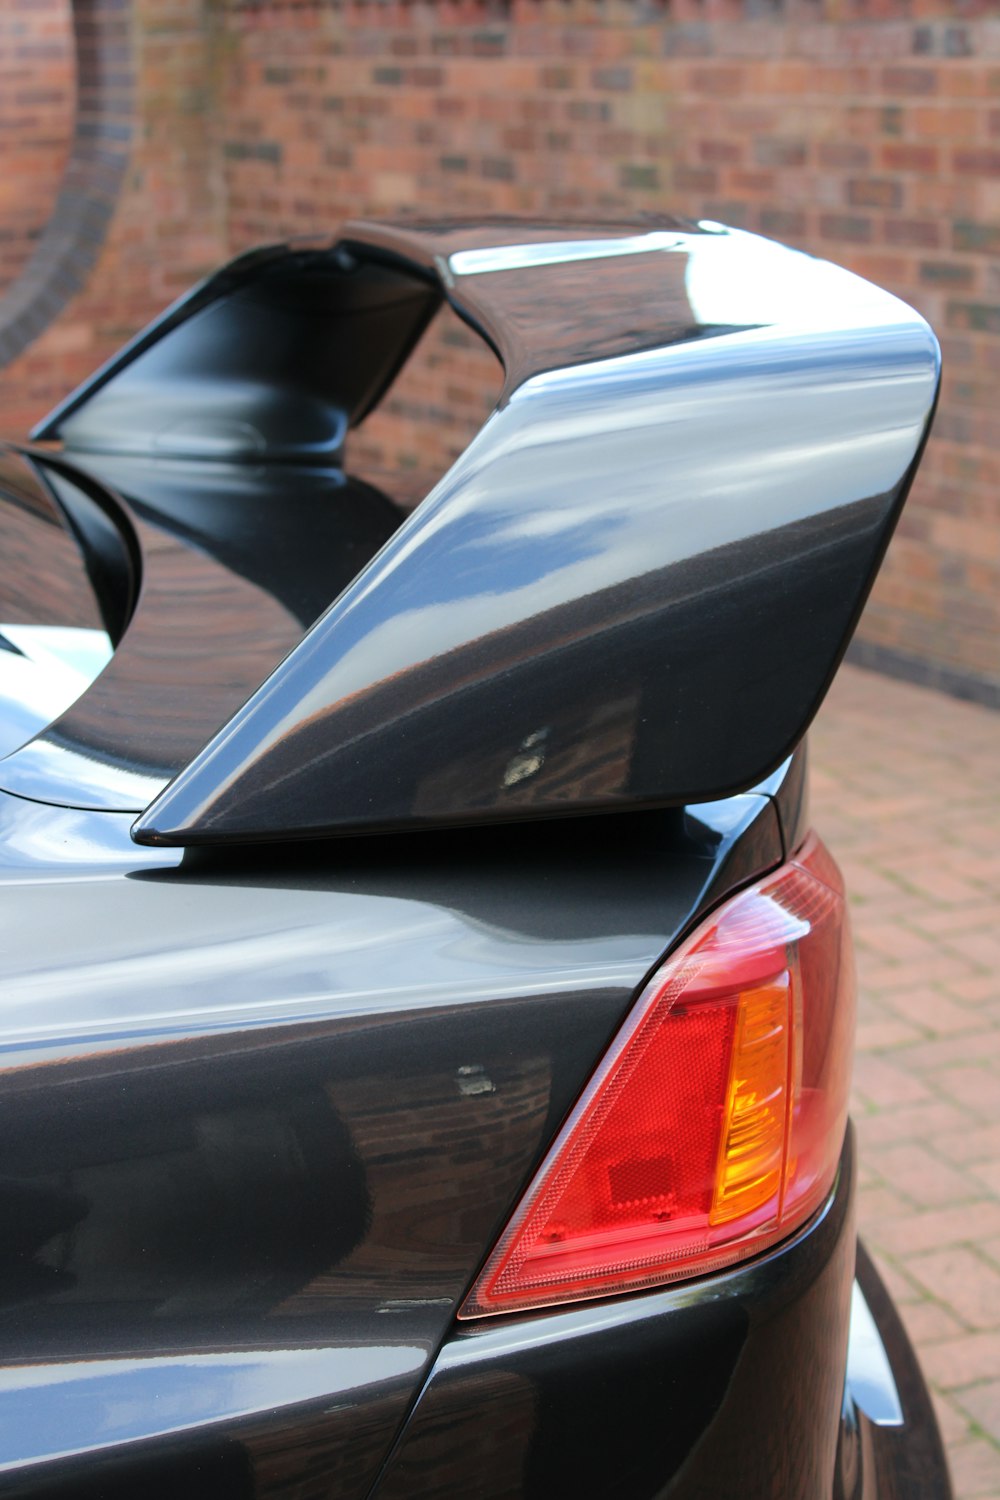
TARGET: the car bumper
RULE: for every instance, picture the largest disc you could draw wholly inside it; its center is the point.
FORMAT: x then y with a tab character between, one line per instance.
732	1385
890	1444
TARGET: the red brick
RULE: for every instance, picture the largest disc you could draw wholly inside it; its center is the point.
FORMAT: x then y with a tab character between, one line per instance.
909	158
854	228
909	80
835	134
925	234
843	154
36	124
874	192
781	152
982	162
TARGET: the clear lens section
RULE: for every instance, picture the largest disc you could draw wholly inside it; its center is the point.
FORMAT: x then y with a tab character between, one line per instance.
714	1124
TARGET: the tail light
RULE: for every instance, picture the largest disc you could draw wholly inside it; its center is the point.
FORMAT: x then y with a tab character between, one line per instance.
714	1124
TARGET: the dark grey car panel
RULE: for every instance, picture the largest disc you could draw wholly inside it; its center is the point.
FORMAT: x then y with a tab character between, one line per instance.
263	1115
634	586
269	359
229	565
699	1376
267	1103
631	590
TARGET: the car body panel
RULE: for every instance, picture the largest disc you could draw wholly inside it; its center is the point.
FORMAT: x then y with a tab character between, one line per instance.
695	1390
734	1385
269	1100
268	359
266	1115
199	575
898	1459
634	586
631	590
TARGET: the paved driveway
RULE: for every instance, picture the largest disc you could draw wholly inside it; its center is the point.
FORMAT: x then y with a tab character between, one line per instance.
906	792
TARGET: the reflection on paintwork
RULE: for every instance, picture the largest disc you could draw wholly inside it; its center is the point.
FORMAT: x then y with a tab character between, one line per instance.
44	1013
47	770
725	1387
205	578
43	845
700	450
82	652
255	1102
557	253
656	547
244	968
204	1052
53	1410
779	286
870	1380
43	669
241	968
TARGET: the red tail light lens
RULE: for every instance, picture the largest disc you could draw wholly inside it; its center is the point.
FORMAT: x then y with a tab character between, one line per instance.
714	1124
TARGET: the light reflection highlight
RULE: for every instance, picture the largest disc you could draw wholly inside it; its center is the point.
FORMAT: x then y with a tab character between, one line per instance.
68	1408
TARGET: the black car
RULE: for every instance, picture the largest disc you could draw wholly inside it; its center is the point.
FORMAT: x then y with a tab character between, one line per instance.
378	1120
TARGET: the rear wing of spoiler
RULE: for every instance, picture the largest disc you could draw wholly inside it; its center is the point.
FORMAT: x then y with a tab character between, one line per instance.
635	585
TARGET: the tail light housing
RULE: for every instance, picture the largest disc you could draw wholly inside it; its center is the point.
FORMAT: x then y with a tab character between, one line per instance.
713	1126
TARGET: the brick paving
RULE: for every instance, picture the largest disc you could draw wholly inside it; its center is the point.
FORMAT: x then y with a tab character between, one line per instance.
906	792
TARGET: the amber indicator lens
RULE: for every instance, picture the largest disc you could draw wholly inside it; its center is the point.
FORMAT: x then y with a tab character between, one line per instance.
714	1124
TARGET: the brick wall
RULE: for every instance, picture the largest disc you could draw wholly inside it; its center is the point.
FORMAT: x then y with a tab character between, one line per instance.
140	214
37	97
868	132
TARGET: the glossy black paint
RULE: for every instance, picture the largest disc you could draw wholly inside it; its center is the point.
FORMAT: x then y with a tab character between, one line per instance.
263	1115
789	786
898	1462
206	608
265	1109
64	561
634	586
269	359
728	1387
58	594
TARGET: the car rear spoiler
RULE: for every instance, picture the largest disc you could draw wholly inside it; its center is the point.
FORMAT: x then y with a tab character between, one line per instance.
635	585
